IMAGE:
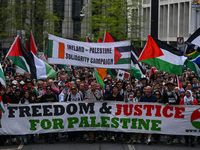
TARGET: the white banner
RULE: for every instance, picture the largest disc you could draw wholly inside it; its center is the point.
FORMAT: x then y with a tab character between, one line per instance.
95	55
100	116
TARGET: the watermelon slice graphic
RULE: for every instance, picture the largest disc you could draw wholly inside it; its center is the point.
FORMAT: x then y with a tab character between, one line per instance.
195	118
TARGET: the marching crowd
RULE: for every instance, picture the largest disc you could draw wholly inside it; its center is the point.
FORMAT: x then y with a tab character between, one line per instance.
81	85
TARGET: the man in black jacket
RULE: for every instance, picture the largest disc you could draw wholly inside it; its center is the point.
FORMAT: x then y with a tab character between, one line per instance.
170	97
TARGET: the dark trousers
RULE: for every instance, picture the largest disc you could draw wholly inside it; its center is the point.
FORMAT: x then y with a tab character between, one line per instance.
72	136
189	137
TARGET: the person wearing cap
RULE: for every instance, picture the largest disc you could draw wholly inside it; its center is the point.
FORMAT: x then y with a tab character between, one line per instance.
144	81
170	97
64	93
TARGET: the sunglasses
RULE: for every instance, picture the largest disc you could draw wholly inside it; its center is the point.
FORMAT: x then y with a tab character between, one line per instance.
73	89
157	94
48	89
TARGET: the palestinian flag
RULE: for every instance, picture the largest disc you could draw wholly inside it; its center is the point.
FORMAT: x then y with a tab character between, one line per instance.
32	45
163	56
15	54
99	40
193	66
38	68
136	69
122	54
2	108
153	69
193	47
2	77
179	83
88	40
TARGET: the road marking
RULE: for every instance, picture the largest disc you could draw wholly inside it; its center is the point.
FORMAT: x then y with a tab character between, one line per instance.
131	147
21	146
9	149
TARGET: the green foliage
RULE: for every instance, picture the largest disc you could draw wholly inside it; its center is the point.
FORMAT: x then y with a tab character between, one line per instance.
3	16
115	16
28	15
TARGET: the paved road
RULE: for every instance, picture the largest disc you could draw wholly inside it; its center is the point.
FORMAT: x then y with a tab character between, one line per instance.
83	145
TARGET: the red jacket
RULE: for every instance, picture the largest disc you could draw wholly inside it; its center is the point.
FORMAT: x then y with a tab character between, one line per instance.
5	102
182	102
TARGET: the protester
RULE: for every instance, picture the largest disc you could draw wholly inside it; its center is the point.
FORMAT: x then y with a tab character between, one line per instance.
93	95
63	95
189	100
170	97
73	95
26	99
108	91
148	97
48	97
114	96
81	85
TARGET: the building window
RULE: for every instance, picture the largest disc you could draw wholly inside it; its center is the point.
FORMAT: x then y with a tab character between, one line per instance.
58	8
76	29
76	9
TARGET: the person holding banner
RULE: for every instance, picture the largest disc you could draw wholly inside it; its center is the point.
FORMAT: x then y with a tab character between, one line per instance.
170	97
148	97
189	100
27	99
93	95
114	96
73	96
48	98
